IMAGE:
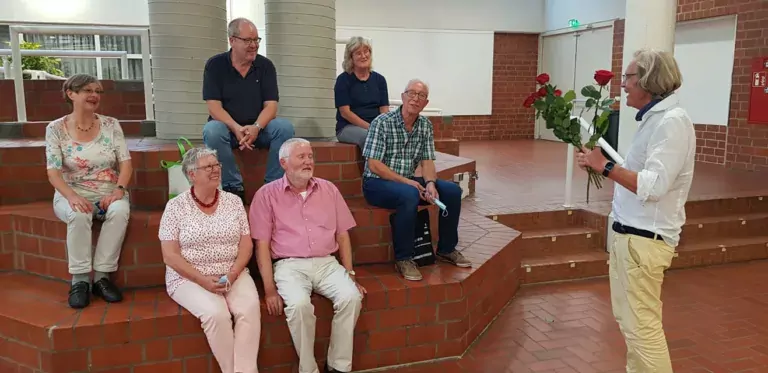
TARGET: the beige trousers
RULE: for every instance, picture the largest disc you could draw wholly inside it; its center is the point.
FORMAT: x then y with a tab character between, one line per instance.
236	349
636	269
296	278
82	259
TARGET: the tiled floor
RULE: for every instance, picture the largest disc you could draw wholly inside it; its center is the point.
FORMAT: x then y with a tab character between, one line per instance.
715	319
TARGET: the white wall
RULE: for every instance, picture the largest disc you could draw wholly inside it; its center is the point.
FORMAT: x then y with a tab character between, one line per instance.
91	12
558	12
704	50
481	15
495	15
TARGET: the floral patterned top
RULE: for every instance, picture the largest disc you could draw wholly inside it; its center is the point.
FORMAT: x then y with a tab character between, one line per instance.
90	168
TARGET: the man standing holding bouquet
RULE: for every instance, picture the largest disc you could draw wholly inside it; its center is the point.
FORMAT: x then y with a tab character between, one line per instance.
651	188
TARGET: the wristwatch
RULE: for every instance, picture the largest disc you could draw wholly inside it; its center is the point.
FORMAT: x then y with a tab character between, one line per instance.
351	272
608	168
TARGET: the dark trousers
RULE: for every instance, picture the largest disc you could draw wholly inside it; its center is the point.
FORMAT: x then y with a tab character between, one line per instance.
405	200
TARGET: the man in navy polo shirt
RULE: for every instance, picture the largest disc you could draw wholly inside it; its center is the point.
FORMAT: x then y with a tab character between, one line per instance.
240	89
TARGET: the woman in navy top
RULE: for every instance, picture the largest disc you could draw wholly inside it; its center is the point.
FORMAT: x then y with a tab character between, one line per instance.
360	93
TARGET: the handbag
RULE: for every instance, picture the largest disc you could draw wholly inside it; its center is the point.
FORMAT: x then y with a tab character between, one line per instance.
424	253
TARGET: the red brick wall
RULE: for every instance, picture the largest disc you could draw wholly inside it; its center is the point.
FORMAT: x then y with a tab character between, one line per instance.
122	99
515	61
739	144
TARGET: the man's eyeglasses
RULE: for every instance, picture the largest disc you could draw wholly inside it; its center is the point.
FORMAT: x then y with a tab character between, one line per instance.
248	41
414	94
625	76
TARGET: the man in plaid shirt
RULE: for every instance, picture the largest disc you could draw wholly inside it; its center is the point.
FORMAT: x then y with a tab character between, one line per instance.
397	142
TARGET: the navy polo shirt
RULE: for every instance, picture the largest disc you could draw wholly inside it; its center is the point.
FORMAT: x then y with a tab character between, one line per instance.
242	97
364	97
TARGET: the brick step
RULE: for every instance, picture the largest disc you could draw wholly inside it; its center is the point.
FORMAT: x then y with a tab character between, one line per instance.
726	206
23	178
564	267
704	229
401	321
38	238
592	264
720	251
555	241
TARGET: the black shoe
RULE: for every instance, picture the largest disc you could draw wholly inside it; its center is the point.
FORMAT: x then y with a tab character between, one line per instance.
238	191
79	296
107	290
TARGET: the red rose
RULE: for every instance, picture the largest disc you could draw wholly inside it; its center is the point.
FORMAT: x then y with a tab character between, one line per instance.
558	93
542	92
542	79
529	101
603	77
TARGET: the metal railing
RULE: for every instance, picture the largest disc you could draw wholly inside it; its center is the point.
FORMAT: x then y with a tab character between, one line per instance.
16	53
570	160
122	55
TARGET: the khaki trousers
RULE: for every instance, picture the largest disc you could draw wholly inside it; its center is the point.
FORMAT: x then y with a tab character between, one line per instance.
82	259
636	269
296	278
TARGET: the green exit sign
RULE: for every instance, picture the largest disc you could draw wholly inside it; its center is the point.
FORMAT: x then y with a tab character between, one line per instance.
574	23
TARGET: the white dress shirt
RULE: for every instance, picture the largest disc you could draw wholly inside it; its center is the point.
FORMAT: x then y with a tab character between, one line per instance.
663	153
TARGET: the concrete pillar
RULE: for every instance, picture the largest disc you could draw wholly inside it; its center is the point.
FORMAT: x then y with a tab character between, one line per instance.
648	24
302	45
184	34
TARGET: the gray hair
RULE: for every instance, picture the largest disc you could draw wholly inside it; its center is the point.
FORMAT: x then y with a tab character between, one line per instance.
288	145
416	81
657	72
233	28
189	161
355	43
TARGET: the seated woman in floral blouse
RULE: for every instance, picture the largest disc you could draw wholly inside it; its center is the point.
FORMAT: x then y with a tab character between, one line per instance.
90	167
204	235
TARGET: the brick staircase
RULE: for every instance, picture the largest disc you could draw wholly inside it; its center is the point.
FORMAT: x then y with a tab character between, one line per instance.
570	244
402	322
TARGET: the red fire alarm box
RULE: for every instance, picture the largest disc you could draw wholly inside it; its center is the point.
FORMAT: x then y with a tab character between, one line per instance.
758	92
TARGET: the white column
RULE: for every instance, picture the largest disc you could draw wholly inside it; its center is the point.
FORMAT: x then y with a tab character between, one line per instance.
648	24
184	34
302	45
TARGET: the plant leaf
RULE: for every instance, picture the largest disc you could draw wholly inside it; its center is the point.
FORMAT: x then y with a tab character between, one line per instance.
590	91
569	96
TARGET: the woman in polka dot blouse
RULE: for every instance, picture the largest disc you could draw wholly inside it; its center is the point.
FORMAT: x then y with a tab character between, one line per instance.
206	246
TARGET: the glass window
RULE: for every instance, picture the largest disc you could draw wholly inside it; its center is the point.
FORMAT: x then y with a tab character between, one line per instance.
130	44
70	65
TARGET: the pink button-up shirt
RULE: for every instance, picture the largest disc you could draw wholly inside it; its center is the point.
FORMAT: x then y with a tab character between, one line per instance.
296	226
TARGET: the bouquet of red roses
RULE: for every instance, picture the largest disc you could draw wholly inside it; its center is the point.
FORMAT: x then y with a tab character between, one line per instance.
557	110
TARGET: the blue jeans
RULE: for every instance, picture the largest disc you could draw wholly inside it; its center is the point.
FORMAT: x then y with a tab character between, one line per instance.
216	135
405	200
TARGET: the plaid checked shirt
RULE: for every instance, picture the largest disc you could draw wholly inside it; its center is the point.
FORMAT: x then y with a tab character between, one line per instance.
389	143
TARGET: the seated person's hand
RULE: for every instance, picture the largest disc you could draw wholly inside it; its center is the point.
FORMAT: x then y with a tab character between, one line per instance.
431	193
243	138
251	133
274	303
361	289
211	283
418	186
116	195
232	276
78	203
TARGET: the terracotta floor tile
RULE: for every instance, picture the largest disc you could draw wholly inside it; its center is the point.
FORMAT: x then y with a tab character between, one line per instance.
714	321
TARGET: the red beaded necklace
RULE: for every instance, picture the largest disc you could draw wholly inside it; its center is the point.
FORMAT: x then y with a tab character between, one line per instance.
206	205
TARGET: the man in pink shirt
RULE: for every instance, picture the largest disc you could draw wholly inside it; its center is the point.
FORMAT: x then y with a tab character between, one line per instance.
298	222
